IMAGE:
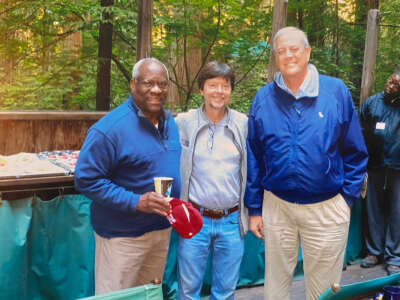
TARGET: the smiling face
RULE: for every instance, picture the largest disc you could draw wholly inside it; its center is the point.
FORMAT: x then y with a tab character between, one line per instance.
150	89
291	55
216	92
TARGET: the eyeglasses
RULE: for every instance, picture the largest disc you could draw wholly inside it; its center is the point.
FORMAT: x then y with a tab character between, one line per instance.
292	50
210	141
148	84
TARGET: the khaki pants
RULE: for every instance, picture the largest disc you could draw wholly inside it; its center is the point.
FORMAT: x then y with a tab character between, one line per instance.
122	263
322	230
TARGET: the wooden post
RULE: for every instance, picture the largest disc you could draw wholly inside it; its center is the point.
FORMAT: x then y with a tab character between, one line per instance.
278	22
371	46
144	26
103	88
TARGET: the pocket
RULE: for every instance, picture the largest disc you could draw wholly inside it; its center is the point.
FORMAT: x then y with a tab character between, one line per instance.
342	208
234	218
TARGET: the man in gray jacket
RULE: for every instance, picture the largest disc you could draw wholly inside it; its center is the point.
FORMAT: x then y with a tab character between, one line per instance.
213	170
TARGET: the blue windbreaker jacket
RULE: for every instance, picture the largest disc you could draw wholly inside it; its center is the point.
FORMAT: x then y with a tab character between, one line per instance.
305	150
121	155
380	121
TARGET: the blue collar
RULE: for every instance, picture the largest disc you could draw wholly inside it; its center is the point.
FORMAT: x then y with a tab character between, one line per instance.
309	87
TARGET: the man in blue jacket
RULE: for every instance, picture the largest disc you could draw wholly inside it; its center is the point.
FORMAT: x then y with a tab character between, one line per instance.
380	120
306	165
121	155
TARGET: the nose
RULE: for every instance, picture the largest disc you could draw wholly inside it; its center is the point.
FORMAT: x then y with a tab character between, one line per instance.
219	88
288	52
155	88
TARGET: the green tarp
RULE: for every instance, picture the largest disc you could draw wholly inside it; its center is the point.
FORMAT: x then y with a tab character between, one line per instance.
364	288
143	292
47	251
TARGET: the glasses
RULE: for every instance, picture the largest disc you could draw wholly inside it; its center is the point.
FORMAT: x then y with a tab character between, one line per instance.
292	50
210	141
149	84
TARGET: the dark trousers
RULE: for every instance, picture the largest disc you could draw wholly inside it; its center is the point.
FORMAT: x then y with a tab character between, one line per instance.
383	215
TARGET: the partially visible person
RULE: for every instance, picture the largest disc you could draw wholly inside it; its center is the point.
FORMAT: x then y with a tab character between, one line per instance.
213	170
306	164
380	120
121	155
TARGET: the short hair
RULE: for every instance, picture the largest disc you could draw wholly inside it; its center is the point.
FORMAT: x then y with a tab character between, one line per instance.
214	69
136	67
290	29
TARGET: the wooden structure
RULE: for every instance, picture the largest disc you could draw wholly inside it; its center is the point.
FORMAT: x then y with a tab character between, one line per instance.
144	29
371	46
36	132
278	22
44	131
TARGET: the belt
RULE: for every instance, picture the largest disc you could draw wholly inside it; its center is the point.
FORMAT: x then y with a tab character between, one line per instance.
215	213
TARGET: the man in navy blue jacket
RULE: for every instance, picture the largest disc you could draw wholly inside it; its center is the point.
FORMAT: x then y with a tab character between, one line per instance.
306	165
121	155
380	120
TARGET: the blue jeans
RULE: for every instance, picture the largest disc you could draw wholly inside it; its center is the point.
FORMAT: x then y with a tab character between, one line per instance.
222	238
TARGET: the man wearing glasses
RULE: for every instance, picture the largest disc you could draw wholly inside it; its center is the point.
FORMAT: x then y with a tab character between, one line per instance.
121	155
213	171
307	161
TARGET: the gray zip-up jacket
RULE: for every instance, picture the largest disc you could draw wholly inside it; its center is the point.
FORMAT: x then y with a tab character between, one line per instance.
189	124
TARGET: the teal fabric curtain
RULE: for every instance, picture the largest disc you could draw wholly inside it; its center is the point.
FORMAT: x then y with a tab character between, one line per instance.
47	251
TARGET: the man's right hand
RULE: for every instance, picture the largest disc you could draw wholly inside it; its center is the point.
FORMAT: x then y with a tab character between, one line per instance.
153	202
256	226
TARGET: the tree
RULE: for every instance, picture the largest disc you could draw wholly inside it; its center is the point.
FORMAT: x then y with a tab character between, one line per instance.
105	50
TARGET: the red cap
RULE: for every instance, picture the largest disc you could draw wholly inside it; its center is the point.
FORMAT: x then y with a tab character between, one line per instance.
185	219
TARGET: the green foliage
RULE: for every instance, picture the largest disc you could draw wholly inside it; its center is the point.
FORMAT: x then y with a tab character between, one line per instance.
40	68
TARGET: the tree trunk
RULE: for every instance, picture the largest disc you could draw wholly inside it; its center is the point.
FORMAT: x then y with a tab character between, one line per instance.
371	46
144	28
103	97
278	22
73	45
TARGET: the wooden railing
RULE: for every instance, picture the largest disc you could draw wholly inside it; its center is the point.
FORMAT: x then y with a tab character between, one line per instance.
44	131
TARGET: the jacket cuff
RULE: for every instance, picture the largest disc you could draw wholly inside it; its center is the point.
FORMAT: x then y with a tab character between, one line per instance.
255	211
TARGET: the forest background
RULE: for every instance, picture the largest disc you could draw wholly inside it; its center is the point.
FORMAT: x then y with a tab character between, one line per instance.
49	49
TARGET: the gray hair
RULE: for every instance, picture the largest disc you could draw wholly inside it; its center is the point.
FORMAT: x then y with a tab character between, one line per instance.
290	29
136	67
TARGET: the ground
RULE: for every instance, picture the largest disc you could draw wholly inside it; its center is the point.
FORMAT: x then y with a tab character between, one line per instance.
353	273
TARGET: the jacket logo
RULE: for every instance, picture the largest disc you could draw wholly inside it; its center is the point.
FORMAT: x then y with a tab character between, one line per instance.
320	114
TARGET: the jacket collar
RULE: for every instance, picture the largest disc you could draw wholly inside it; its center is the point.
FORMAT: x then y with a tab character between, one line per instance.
391	99
139	113
309	87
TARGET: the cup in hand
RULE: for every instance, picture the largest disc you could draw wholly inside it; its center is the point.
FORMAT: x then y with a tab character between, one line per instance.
163	185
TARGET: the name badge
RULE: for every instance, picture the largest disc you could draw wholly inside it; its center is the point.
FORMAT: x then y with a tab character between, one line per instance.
380	125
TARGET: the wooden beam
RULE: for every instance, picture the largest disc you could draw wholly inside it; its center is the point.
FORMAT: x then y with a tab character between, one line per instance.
278	22
103	85
371	46
144	28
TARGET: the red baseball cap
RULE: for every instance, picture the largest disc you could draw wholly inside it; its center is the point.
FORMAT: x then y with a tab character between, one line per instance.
184	218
